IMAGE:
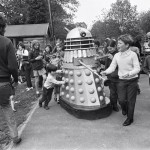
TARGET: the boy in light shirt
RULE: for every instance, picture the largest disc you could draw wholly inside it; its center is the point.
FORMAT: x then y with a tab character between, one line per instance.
128	69
49	85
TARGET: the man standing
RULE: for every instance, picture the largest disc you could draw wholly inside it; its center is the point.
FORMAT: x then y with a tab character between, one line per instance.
8	68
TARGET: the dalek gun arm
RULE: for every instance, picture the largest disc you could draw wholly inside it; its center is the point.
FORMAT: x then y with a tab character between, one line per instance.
93	71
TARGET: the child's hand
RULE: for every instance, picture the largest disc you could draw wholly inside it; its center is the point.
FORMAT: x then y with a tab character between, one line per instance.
103	73
110	56
59	71
125	75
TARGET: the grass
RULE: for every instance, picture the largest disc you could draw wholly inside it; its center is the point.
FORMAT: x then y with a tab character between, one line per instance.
25	100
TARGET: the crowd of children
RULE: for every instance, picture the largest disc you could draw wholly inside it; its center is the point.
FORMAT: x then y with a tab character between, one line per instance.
121	67
44	66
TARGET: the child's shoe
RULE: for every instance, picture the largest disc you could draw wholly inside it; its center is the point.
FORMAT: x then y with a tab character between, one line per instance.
46	107
14	110
17	140
40	104
37	93
58	101
28	89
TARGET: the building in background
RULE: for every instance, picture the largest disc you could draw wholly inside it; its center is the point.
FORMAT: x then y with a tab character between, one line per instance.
26	33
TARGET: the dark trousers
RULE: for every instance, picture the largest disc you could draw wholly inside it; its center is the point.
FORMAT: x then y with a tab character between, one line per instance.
7	112
113	93
46	96
28	72
127	92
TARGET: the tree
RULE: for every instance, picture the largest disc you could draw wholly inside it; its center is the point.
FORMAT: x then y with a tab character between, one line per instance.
14	10
36	11
120	19
125	15
81	24
145	21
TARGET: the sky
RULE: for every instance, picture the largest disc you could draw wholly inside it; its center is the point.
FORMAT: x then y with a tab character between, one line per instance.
90	10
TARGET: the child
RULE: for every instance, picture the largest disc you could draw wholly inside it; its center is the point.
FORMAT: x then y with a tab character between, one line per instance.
113	77
128	69
58	63
49	86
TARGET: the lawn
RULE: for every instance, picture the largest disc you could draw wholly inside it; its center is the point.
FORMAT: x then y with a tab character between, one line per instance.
25	100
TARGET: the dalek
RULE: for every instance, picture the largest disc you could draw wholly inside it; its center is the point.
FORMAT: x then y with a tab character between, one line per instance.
83	94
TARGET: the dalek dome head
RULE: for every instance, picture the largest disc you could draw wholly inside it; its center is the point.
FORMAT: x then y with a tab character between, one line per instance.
79	39
78	32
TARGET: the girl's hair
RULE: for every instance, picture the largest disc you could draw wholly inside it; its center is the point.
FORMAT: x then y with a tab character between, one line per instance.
112	43
126	38
50	47
22	45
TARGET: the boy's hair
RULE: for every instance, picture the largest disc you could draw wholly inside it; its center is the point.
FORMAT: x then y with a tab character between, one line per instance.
51	67
126	38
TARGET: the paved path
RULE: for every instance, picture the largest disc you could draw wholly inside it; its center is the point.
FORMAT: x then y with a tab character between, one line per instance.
55	129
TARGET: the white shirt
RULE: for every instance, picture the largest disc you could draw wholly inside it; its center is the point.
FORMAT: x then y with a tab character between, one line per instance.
127	62
51	81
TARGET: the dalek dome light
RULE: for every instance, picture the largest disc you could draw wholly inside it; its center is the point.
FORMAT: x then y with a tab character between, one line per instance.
78	32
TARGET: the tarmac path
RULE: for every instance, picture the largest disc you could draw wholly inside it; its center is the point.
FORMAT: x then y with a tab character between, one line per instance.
56	129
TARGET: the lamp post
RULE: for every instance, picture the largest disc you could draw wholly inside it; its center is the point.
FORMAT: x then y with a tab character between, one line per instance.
51	20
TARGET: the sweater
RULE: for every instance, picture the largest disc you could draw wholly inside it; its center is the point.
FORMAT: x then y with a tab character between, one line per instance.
51	81
114	75
8	61
36	64
127	62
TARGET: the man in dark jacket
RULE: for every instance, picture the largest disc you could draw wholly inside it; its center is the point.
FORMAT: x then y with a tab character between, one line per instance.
8	68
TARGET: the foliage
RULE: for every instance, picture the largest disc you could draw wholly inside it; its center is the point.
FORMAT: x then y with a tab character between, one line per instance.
81	24
145	21
36	11
120	19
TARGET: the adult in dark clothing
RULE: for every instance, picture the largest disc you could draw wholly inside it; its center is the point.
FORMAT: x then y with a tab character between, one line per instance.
8	68
113	77
36	59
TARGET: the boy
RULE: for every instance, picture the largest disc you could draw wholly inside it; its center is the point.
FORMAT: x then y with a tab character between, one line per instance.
128	69
49	86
